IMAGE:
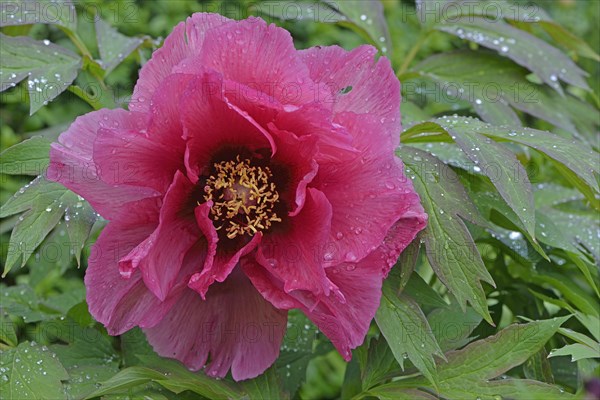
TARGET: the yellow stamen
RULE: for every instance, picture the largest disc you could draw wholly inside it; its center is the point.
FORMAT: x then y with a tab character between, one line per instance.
243	197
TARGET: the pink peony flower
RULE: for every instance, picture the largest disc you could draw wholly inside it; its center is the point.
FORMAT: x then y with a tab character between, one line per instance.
247	179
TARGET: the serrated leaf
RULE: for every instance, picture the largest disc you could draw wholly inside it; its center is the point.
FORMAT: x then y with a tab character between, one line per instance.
577	351
493	85
43	203
114	47
398	393
30	371
30	157
407	332
469	371
546	61
449	245
571	153
79	219
504	170
380	362
49	68
452	326
25	12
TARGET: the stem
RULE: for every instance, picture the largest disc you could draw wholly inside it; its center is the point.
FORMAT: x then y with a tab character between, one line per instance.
413	52
83	95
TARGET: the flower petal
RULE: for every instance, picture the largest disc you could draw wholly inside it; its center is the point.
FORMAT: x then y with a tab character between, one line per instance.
380	193
160	256
72	163
235	325
185	40
358	84
119	303
211	124
295	254
126	157
260	56
219	264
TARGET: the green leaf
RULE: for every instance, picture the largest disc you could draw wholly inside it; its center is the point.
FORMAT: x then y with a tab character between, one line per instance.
407	332
30	371
504	170
398	393
30	157
495	86
567	39
573	154
21	301
8	333
367	18
452	326
296	351
546	61
80	217
469	371
264	387
49	68
25	12
449	245
88	357
44	203
380	362
114	47
538	367
577	351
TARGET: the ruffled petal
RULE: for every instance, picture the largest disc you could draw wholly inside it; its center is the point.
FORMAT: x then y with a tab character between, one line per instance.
295	253
72	163
379	192
344	317
185	40
260	56
160	256
219	264
119	303
234	325
359	84
211	124
126	157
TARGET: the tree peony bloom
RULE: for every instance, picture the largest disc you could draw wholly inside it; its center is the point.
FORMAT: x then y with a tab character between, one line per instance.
247	179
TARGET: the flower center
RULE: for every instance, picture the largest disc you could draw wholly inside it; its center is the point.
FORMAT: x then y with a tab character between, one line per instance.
243	197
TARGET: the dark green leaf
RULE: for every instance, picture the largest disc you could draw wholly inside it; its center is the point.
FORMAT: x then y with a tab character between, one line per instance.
546	61
407	332
49	68
114	47
449	245
452	326
25	12
8	333
30	371
30	157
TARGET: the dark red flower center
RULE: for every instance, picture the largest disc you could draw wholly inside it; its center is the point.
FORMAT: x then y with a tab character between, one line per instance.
244	197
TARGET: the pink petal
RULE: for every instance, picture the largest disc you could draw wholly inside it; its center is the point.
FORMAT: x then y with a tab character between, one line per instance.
160	256
219	264
345	315
185	40
119	303
312	119
260	56
235	326
211	124
72	163
296	156
380	193
375	89
126	157
295	254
